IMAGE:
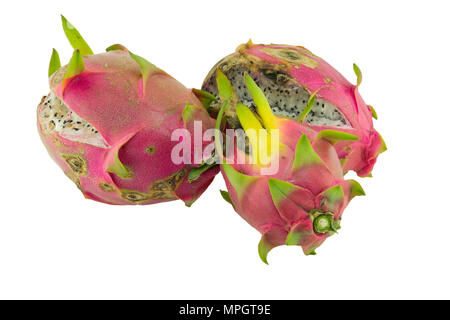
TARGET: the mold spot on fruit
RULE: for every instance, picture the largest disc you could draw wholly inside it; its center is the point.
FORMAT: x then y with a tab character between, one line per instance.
150	149
74	178
291	56
134	196
158	195
279	77
107	187
164	188
170	183
179	176
76	163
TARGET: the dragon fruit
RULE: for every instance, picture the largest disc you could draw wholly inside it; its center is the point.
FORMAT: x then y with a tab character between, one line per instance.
108	120
290	76
302	202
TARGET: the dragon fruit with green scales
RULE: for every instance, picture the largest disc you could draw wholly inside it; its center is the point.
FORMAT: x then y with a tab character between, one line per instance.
302	202
108	120
289	77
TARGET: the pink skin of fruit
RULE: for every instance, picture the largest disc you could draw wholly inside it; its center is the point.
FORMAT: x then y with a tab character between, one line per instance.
302	202
135	120
299	66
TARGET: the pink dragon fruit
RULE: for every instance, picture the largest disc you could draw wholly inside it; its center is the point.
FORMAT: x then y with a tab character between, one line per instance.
302	202
290	76
108	121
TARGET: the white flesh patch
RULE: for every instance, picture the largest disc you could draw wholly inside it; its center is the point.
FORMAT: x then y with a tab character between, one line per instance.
287	101
55	116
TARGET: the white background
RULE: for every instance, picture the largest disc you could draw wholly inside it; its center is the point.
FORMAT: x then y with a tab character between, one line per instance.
393	243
